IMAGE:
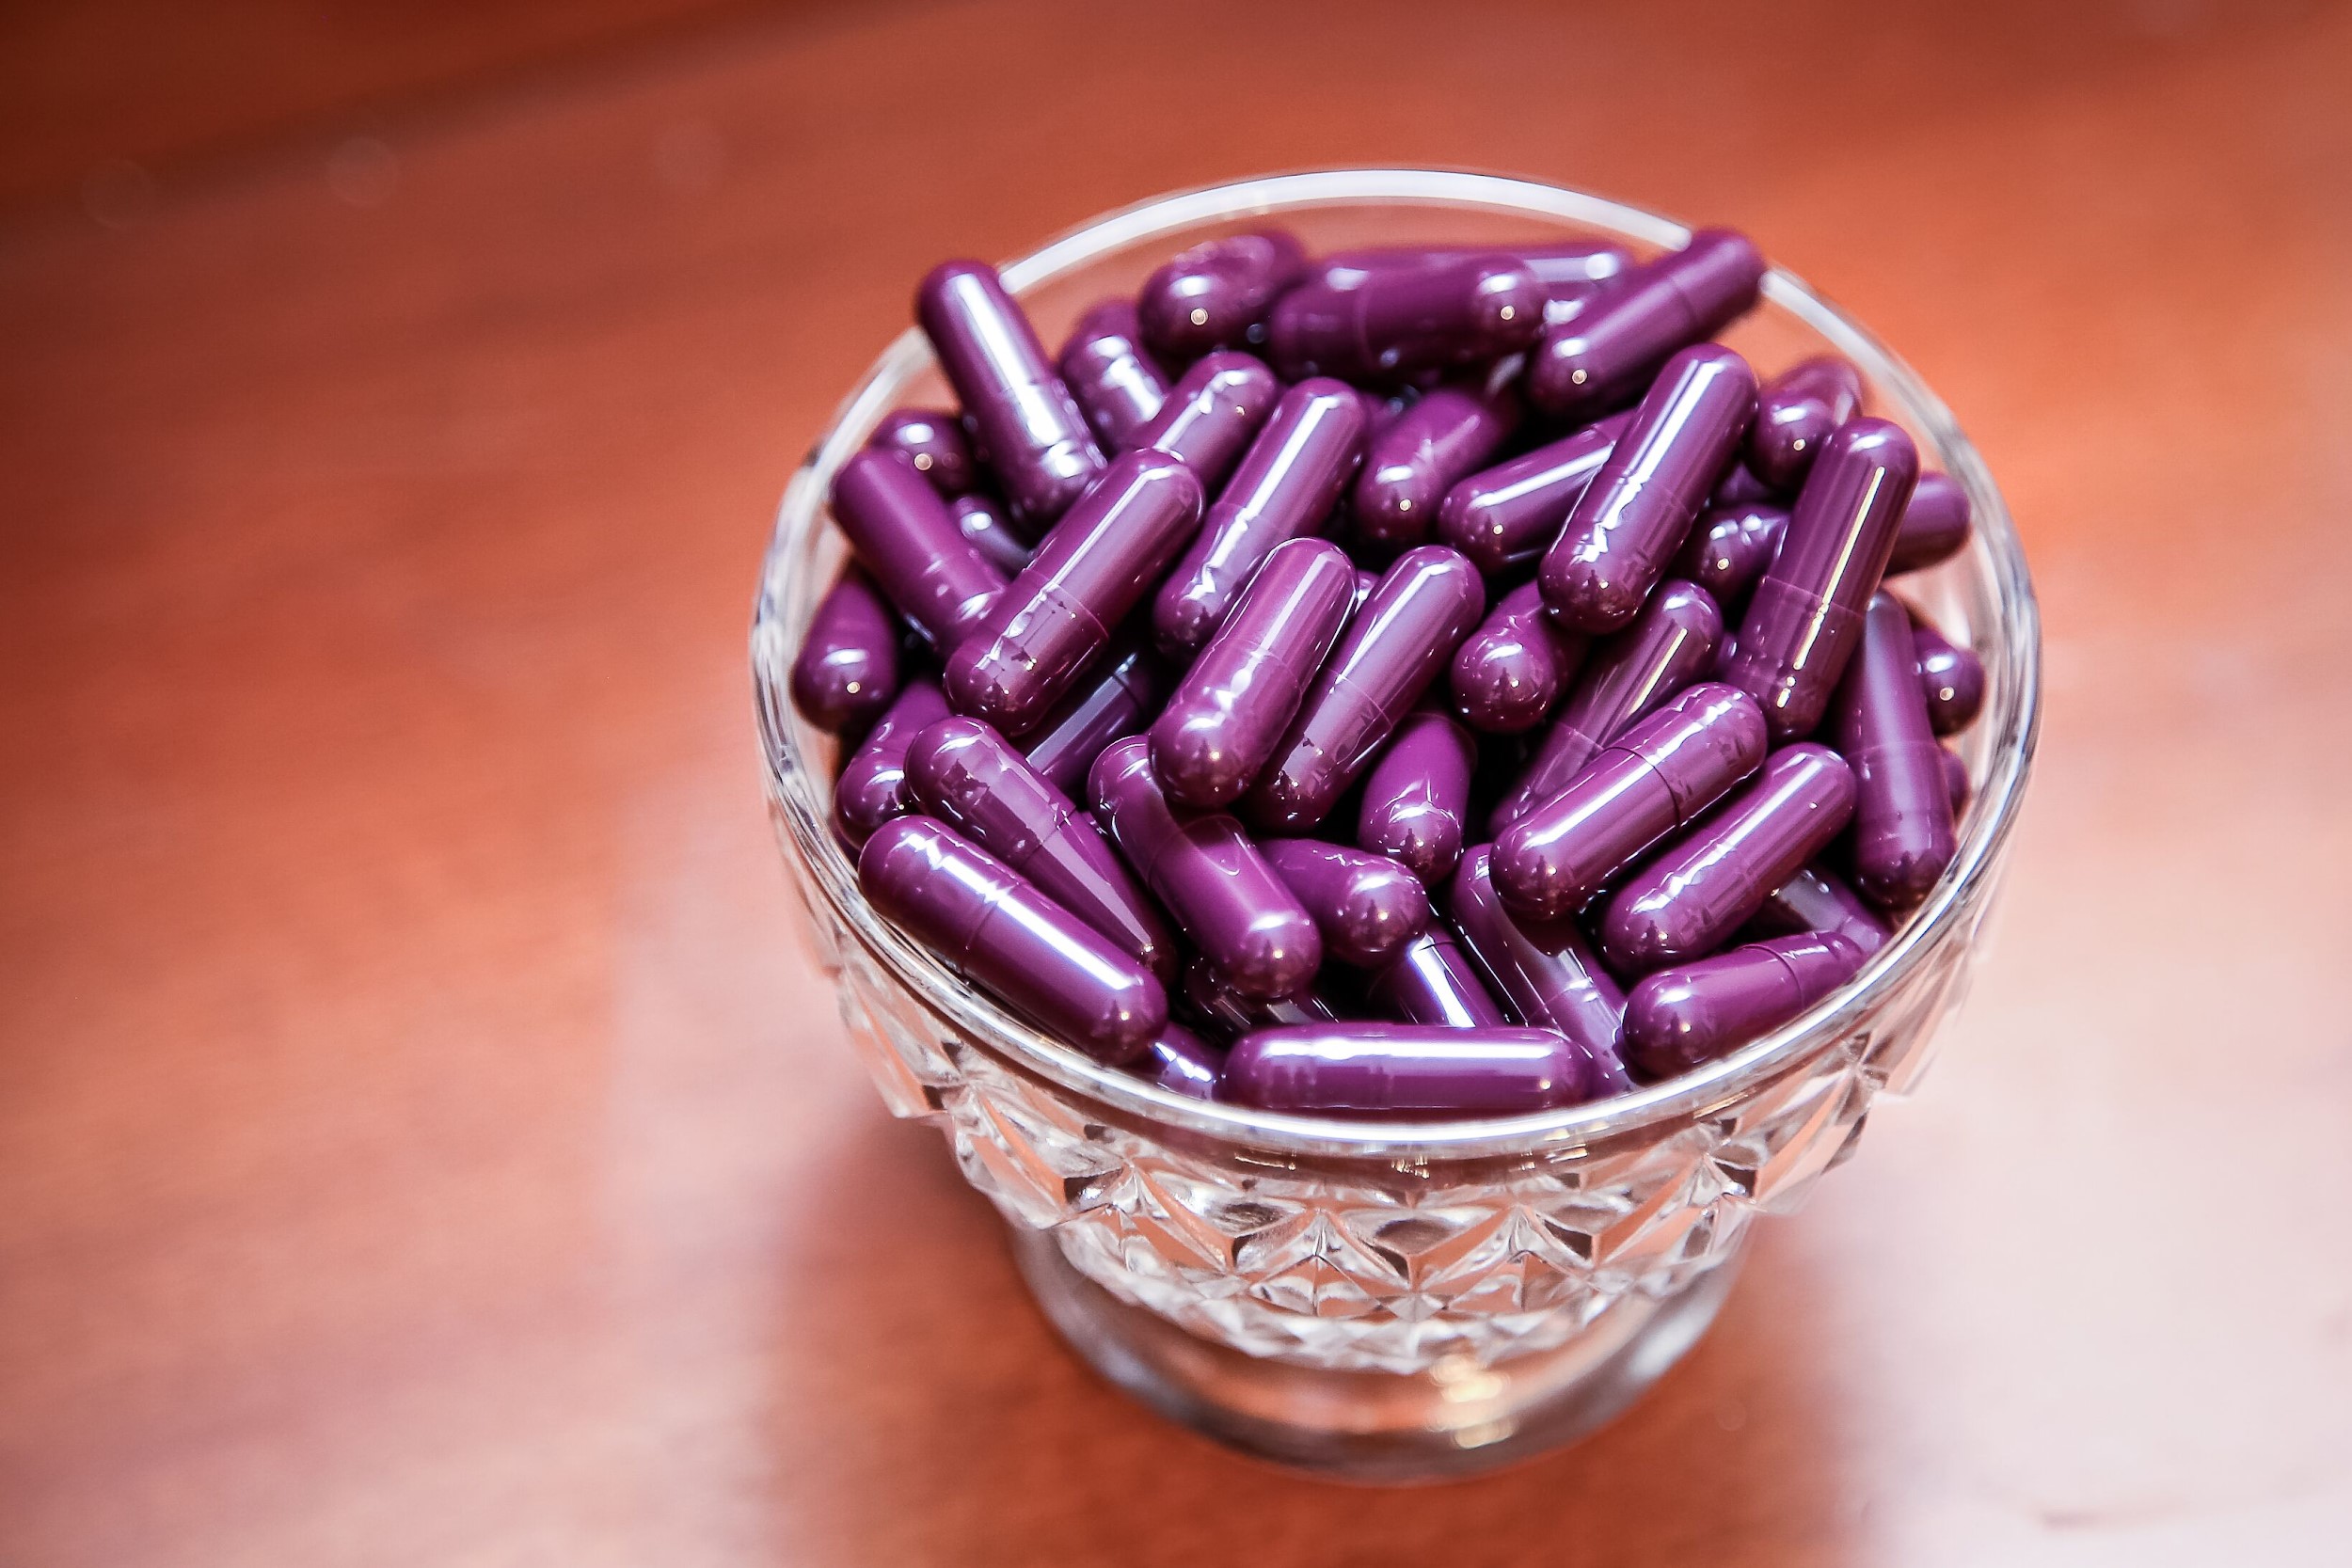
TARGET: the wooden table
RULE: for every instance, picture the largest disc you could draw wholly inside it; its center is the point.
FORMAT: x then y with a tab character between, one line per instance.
425	1139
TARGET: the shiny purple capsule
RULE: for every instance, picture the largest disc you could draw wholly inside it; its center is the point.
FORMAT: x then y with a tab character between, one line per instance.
1426	603
1729	547
1953	679
847	668
1563	267
933	442
1432	981
1217	294
981	518
1114	700
1285	489
903	534
1367	906
1817	899
1629	523
1118	387
1401	1069
1511	670
1413	461
1385	323
961	771
1211	877
1796	411
1416	805
1089	572
1232	706
1543	969
1680	1018
1652	781
1956	782
1669	645
1505	517
872	788
1212	413
1182	1063
995	927
1936	525
1608	351
1802	623
1686	901
1035	438
1902	819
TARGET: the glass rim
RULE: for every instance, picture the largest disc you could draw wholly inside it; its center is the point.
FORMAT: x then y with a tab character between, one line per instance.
806	811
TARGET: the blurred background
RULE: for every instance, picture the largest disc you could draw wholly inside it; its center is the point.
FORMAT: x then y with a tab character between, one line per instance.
422	1136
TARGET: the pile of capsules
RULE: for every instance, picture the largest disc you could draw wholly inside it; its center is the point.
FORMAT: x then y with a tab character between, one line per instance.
1182	751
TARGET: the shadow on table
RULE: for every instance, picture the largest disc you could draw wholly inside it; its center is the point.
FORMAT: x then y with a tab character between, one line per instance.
926	1414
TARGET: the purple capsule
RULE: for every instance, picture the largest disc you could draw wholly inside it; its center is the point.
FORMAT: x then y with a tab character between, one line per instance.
1426	603
904	535
1729	547
933	442
1806	616
1234	705
981	521
1118	387
1953	679
1217	294
1385	323
1285	489
1030	427
1365	582
1936	525
1415	459
1678	1018
1505	517
1401	1067
847	668
1903	820
1955	781
872	788
1212	413
1513	669
1682	904
1211	877
1653	780
961	771
1637	512
1544	969
1669	645
1561	266
1416	803
1089	572
1795	412
995	927
1367	906
1568	266
1609	352
1431	981
1211	1001
1114	700
1817	899
1182	1063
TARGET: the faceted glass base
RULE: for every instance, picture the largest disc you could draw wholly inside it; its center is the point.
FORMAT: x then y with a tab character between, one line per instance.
1453	1420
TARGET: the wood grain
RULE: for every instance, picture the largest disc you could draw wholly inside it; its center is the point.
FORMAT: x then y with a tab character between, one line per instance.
425	1139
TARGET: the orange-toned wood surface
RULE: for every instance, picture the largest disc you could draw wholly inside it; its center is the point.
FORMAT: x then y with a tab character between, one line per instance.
425	1139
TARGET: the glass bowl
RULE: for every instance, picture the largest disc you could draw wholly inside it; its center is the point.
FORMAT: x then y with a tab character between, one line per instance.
1398	1301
